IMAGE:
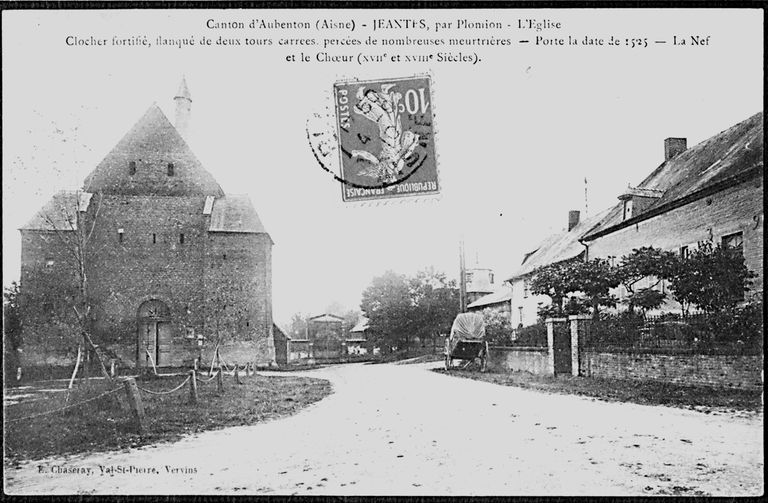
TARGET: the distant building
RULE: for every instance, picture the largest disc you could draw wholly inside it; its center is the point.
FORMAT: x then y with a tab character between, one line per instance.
357	342
175	266
325	333
479	282
500	300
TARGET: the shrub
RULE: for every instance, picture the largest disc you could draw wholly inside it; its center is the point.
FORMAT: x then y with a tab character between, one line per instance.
532	335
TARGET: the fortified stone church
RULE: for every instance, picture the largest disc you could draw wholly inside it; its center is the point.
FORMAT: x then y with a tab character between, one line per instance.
175	266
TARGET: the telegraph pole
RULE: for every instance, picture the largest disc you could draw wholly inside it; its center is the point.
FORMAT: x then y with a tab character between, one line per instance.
462	278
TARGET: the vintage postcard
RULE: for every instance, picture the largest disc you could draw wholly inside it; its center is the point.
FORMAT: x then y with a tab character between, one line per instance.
388	251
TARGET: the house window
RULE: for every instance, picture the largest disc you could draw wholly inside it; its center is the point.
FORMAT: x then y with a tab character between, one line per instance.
526	288
684	252
520	314
154	238
734	241
132	167
491	278
181	238
468	277
170	169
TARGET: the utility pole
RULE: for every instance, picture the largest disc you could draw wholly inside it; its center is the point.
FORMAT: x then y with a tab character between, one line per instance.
586	200
462	278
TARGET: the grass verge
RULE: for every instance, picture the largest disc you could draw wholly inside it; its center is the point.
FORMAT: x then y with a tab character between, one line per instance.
102	425
624	390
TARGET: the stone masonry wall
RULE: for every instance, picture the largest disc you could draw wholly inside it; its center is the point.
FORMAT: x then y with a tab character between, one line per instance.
152	262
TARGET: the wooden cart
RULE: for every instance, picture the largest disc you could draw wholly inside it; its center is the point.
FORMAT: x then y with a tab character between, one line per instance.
466	342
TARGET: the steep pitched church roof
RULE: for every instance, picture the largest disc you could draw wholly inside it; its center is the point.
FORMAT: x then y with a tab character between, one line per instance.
163	163
730	155
59	213
235	213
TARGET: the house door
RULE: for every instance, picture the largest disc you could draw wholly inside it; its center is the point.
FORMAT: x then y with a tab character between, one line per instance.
562	347
154	337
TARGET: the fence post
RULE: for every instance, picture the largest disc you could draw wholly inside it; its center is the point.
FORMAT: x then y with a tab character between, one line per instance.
579	326
550	345
237	373
220	380
192	387
134	402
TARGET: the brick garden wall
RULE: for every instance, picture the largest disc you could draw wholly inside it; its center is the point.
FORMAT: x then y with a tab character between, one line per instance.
688	369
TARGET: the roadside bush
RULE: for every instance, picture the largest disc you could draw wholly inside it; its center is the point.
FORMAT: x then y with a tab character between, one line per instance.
532	336
498	327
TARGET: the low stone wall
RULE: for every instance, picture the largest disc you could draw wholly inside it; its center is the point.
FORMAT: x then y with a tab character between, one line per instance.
529	359
738	371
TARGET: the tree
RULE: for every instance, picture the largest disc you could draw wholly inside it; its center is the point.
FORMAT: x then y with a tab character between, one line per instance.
552	280
387	304
400	308
642	263
498	326
435	304
714	279
66	303
12	334
297	328
594	278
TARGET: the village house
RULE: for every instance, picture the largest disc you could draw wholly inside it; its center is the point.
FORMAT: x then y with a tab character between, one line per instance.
500	300
559	247
175	266
712	192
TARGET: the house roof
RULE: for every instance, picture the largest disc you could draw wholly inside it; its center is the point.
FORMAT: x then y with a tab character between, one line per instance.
504	294
559	247
361	325
152	144
729	155
326	317
235	213
58	213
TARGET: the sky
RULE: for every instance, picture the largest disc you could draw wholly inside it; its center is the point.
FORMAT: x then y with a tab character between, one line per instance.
516	134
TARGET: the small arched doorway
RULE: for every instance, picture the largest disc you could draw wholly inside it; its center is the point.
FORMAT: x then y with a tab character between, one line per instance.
154	337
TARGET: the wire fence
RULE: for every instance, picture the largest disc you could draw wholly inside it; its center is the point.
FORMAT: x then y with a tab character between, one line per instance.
66	407
731	333
132	390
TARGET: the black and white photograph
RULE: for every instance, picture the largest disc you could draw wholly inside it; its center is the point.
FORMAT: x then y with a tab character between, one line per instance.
390	250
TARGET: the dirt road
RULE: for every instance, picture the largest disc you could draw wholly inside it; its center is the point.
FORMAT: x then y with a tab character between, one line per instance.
402	430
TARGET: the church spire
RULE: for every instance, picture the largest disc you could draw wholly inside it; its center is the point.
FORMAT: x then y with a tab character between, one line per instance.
183	101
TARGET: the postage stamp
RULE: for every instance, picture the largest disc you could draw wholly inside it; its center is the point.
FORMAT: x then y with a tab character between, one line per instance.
385	138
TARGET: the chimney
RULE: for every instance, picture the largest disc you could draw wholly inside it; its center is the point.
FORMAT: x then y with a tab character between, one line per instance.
573	219
183	109
673	147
